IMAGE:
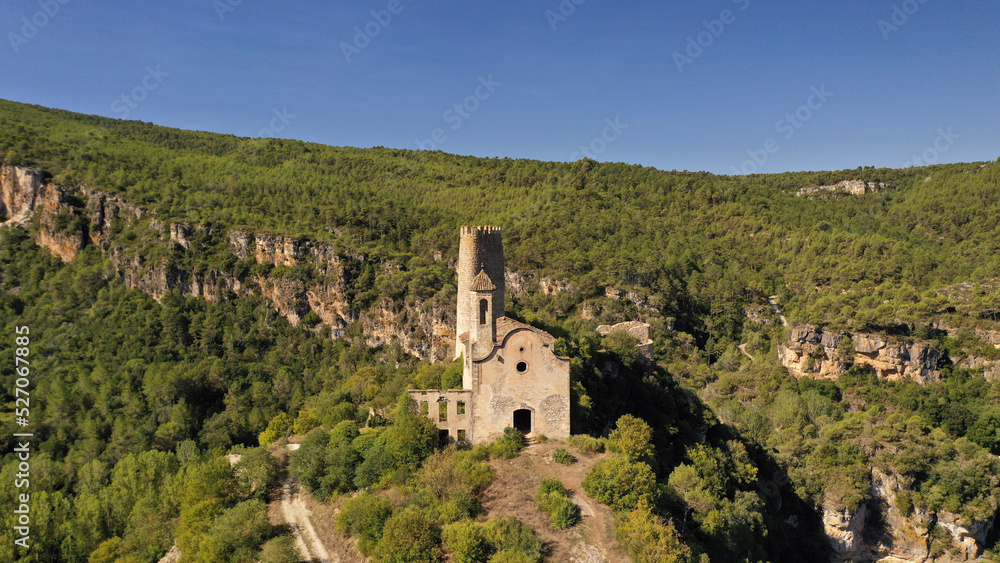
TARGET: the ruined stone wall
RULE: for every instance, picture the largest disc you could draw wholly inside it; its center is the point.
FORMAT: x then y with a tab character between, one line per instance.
451	411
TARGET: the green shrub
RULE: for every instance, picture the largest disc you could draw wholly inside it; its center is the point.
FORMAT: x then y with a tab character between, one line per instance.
508	445
344	433
466	542
308	463
620	483
511	556
648	539
409	535
256	472
587	444
553	499
563	457
279	427
632	437
550	485
238	533
563	512
364	517
281	549
377	462
510	534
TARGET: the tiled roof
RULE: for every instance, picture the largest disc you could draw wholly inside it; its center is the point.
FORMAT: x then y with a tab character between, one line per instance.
482	282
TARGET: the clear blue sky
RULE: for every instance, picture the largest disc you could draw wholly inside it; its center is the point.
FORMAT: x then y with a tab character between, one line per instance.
548	83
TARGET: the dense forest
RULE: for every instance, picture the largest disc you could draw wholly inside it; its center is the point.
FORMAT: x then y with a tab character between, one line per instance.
712	452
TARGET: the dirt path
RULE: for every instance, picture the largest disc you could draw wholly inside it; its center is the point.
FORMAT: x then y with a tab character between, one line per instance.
773	300
512	493
294	512
298	517
743	348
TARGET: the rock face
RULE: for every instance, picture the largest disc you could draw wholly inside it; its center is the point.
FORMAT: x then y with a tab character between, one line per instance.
852	187
845	529
70	220
812	353
20	190
60	230
856	535
520	284
639	330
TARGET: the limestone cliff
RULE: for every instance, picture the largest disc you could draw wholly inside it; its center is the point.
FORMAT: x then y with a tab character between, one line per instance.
878	530
68	220
852	187
20	190
810	352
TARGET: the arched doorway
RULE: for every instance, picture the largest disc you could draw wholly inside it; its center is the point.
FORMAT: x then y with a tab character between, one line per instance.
522	421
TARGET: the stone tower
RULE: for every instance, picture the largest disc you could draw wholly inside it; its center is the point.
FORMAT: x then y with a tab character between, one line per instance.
480	281
511	375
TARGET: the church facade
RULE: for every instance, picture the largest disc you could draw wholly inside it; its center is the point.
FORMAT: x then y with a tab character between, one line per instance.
511	376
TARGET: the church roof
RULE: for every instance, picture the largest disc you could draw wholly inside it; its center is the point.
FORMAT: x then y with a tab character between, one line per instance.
482	282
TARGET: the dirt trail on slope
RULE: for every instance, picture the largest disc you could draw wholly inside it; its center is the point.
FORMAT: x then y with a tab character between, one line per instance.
296	515
512	493
292	509
773	300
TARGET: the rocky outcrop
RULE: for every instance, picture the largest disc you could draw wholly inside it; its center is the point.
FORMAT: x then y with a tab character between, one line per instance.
520	284
59	228
426	332
70	220
852	187
812	353
893	536
20	190
845	530
638	330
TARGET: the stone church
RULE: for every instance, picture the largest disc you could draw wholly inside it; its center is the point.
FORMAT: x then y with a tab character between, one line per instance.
511	376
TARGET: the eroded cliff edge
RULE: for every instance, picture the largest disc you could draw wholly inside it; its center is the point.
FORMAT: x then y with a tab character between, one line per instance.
306	282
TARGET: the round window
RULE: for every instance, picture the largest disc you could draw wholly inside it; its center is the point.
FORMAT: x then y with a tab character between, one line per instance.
521	367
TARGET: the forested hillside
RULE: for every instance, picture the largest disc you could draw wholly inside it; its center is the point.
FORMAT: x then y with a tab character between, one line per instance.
142	388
